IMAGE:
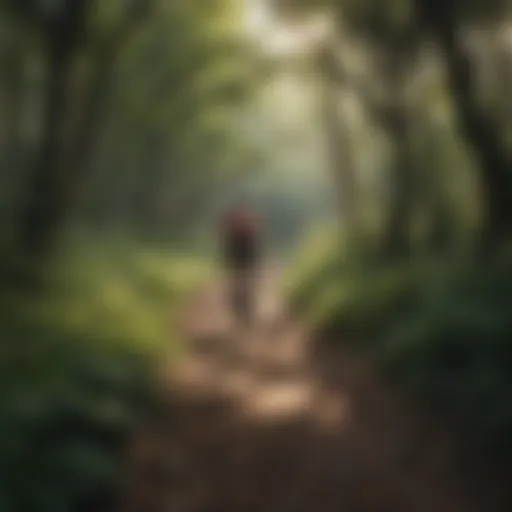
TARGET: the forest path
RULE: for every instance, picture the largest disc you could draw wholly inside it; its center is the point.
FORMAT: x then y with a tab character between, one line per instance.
264	421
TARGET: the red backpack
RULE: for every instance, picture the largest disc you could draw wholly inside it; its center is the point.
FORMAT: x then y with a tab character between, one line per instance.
241	223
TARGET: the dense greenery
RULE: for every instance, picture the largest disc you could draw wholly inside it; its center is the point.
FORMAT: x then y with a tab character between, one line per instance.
117	112
78	365
142	119
419	274
440	327
115	121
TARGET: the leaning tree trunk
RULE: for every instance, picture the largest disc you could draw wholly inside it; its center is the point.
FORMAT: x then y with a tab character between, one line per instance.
339	148
46	199
12	157
48	192
59	171
13	66
397	233
395	118
95	106
477	128
492	157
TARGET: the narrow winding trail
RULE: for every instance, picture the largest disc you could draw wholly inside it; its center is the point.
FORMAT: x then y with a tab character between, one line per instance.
263	421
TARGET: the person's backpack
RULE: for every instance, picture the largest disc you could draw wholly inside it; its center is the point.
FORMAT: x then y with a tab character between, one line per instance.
241	224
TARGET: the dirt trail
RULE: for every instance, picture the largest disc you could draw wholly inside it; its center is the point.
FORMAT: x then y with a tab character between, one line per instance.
263	423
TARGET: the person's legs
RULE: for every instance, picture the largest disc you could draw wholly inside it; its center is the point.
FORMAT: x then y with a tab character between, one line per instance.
241	259
241	295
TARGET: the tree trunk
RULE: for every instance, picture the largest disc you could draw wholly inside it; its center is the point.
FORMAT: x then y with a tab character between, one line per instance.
397	235
440	227
95	105
46	200
79	154
14	68
478	129
396	120
12	157
339	149
393	116
48	193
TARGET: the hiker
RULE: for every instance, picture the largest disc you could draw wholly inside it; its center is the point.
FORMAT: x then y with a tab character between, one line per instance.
241	245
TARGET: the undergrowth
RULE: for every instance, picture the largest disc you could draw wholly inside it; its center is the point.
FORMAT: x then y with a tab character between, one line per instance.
77	370
441	328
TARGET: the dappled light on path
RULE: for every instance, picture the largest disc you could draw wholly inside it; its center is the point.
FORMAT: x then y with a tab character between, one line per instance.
260	422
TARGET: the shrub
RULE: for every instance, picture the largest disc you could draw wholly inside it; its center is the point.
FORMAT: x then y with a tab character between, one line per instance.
443	329
77	371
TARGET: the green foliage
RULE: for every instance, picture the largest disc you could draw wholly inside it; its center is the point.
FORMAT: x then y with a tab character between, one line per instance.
348	296
177	89
441	328
454	349
318	259
367	301
149	108
77	370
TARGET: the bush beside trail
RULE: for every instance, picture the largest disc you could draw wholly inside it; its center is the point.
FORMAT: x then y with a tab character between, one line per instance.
78	366
441	328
